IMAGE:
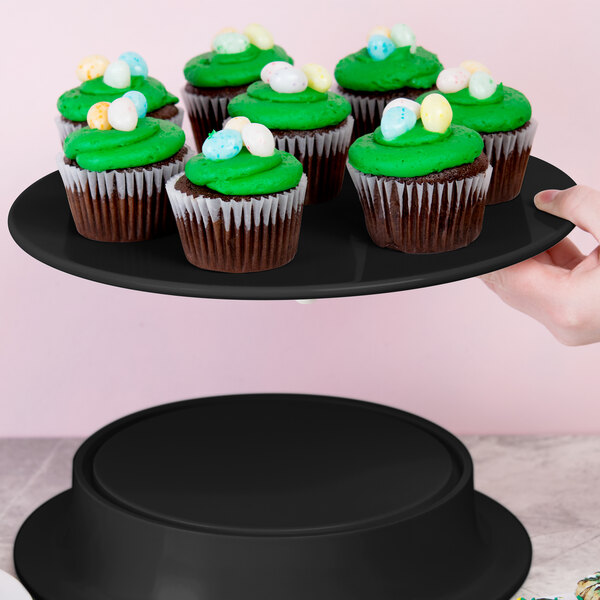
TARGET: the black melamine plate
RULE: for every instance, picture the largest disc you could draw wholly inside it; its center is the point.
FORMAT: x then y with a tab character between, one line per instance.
335	258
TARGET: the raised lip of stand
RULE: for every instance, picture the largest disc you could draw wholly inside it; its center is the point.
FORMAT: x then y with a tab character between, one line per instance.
82	466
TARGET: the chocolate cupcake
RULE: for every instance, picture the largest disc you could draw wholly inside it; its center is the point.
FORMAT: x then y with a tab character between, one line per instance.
307	121
238	207
391	66
215	77
502	115
421	180
115	172
128	73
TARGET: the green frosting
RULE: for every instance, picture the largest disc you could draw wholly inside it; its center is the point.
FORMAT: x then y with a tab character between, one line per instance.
302	110
151	141
506	109
417	152
221	70
400	69
74	104
246	174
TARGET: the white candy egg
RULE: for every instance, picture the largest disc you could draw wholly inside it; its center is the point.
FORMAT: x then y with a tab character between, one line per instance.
237	123
473	65
122	114
405	102
258	139
230	43
270	68
403	35
259	36
289	81
11	588
450	81
118	74
481	85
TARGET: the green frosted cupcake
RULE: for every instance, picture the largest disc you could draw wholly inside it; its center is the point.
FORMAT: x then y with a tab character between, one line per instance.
215	77
420	178
306	119
390	66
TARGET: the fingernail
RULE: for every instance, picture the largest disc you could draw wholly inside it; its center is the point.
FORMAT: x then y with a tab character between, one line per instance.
544	197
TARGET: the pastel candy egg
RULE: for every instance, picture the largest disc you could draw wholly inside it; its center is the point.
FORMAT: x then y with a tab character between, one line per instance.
258	139
481	85
271	68
318	77
380	47
221	145
230	43
381	30
237	123
453	80
118	74
137	65
92	67
259	36
289	81
436	113
473	65
122	114
396	121
410	104
140	102
403	35
97	116
227	30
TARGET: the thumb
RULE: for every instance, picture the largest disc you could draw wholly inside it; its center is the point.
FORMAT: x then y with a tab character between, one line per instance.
579	204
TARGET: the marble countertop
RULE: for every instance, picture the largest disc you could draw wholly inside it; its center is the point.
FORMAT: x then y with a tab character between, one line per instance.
546	481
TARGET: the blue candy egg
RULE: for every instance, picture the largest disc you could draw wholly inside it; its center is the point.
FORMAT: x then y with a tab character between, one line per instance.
396	121
136	63
380	47
141	104
221	145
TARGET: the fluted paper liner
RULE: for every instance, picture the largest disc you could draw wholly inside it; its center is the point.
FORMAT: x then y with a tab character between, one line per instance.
239	235
120	206
422	217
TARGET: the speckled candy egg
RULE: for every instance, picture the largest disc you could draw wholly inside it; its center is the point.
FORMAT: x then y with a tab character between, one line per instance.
436	113
381	30
473	65
97	116
237	123
270	68
122	114
258	139
402	35
221	145
259	36
450	81
396	121
137	65
289	81
410	104
118	74
380	47
481	85
318	77
230	43
92	67
140	102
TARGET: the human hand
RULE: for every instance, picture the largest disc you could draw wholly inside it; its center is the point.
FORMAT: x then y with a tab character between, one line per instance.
560	288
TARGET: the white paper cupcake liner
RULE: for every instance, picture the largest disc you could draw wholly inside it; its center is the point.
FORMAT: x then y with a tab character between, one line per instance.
119	205
502	144
422	217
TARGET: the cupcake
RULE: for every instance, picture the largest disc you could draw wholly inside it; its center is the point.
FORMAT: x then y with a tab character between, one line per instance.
502	115
214	78
306	119
421	180
391	66
115	171
238	206
589	588
105	82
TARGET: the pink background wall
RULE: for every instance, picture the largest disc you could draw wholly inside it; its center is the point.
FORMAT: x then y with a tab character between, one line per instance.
76	354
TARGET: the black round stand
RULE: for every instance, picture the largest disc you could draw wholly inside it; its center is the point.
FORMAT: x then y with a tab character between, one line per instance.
265	497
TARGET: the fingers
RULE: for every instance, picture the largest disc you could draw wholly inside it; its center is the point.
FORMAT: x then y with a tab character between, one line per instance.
578	204
565	254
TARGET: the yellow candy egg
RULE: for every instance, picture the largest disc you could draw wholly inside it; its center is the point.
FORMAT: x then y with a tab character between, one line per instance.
226	30
318	77
436	113
473	65
259	36
97	117
92	67
381	30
